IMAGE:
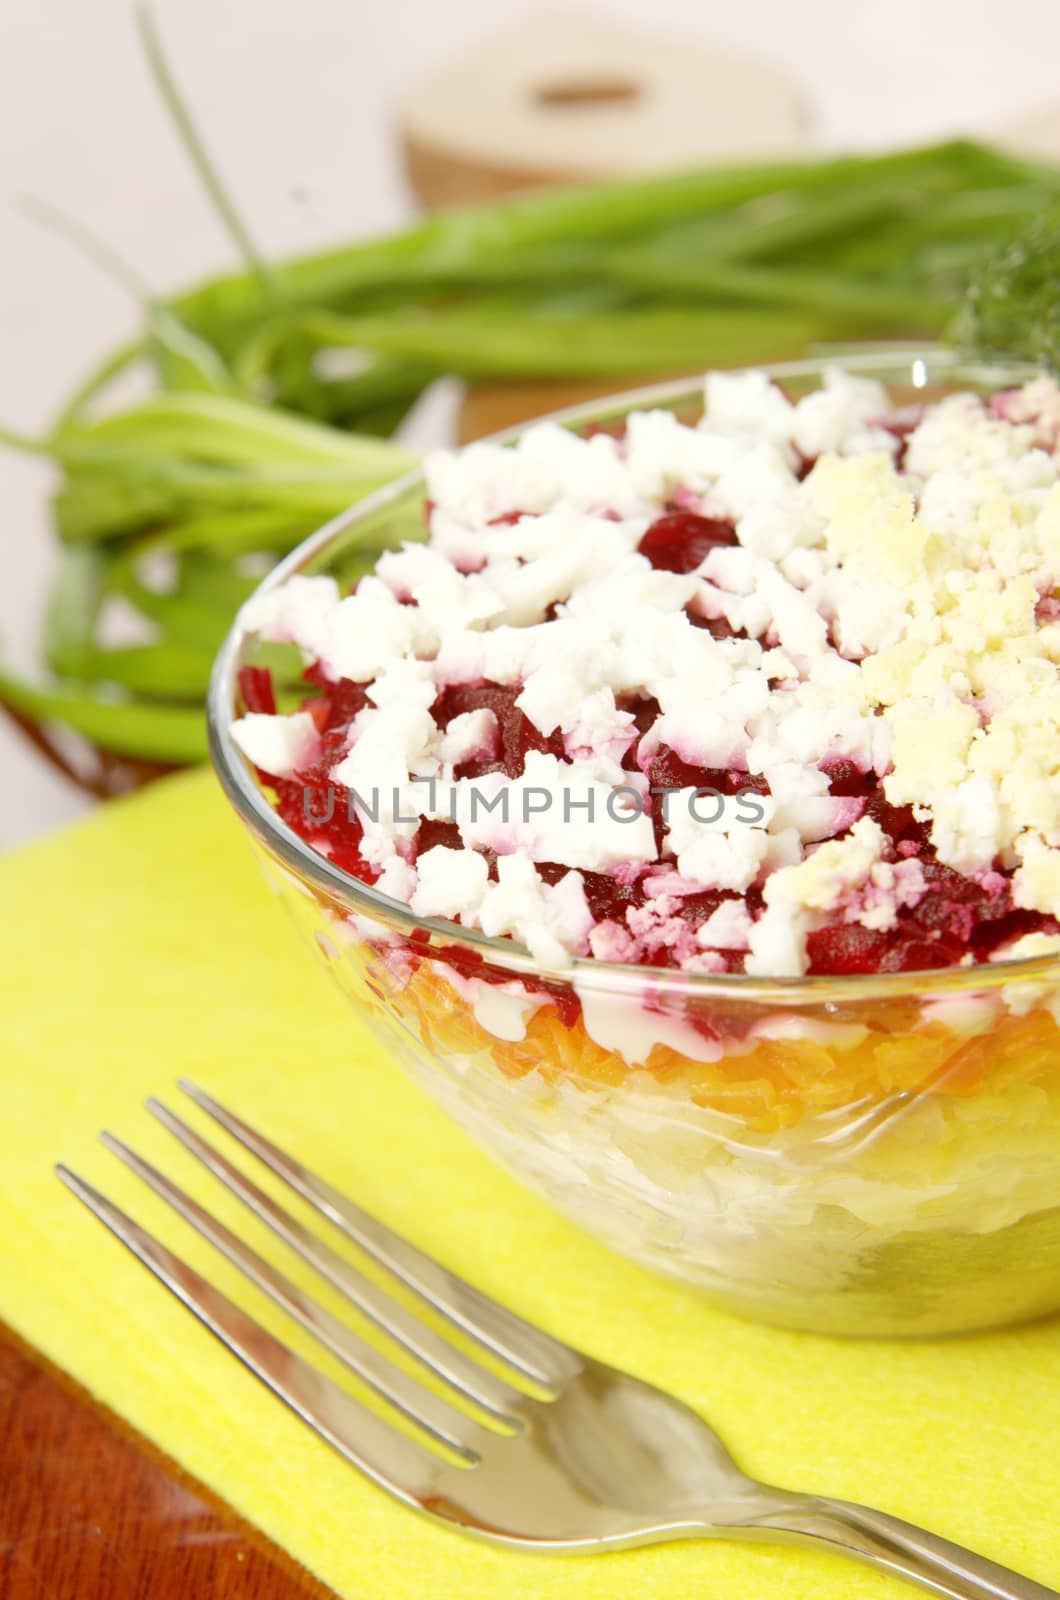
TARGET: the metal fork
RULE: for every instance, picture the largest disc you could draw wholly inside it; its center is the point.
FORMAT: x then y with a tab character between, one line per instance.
567	1454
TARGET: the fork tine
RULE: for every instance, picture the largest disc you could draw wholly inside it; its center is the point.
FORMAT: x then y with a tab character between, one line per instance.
405	1468
474	1382
449	1426
531	1351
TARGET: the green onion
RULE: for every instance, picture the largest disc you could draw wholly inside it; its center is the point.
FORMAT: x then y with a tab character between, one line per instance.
501	341
174	735
272	389
215	428
170	669
73	610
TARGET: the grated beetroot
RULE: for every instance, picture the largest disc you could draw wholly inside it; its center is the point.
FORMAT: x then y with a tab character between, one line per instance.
256	691
679	541
517	733
920	955
846	778
717	627
846	950
434	831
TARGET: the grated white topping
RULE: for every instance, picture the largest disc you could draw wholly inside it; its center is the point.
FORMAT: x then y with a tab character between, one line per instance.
278	745
904	618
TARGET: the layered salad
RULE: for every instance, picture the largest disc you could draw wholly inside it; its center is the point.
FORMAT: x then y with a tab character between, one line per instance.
680	707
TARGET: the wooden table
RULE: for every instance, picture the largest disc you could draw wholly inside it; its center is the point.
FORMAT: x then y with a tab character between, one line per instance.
90	1511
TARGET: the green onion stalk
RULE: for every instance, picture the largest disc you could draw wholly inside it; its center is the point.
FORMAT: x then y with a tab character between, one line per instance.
275	391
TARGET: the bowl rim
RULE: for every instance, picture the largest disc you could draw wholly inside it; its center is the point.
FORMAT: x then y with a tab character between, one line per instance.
922	365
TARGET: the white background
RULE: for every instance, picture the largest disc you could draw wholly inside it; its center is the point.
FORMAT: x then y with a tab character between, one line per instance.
297	99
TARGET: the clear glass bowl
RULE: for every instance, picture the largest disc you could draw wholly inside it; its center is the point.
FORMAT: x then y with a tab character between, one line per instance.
874	1156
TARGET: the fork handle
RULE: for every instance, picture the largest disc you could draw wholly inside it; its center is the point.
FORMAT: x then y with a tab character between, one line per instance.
900	1548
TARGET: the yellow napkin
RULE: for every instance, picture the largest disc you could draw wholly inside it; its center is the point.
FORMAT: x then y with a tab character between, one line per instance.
141	945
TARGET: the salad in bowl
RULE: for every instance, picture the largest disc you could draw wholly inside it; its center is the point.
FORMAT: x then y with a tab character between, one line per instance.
676	784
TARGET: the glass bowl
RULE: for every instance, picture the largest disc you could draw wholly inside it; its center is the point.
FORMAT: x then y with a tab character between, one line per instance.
861	1155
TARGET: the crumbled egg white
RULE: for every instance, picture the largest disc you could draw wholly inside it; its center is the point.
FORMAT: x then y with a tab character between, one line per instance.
277	745
894	619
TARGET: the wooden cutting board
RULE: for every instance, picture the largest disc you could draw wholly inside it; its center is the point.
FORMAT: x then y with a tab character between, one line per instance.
563	96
